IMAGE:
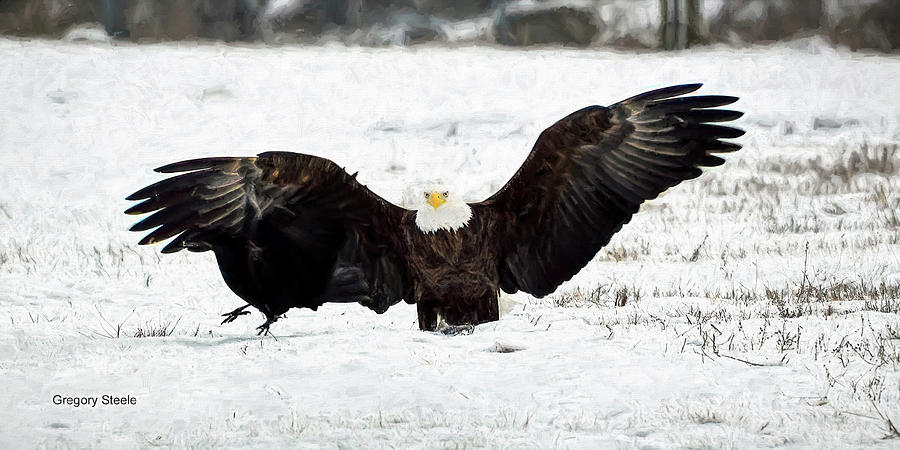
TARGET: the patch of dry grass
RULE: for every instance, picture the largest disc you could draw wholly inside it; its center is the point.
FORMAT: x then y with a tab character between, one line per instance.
606	294
156	329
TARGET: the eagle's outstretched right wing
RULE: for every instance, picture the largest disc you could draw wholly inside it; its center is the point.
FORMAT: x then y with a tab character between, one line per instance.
588	174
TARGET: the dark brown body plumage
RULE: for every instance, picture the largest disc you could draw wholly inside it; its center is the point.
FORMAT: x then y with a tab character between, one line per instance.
454	273
291	230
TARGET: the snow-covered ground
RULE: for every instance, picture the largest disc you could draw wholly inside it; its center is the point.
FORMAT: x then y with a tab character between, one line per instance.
759	302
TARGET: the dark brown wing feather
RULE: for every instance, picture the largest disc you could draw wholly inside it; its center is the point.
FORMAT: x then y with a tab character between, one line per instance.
588	174
288	229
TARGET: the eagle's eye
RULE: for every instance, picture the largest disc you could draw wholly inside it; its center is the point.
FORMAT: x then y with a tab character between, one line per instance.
445	195
427	195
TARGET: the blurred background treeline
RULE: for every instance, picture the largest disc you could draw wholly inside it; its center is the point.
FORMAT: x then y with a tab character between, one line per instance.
627	24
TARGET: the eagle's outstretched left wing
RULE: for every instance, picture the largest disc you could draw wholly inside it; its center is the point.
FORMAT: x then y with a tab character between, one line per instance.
588	174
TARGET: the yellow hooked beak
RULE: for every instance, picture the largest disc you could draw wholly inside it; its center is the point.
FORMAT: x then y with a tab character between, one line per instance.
435	199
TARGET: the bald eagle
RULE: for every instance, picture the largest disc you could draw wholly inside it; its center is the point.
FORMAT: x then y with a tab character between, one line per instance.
291	230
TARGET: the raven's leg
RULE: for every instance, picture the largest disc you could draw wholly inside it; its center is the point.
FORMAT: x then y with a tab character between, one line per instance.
264	328
229	317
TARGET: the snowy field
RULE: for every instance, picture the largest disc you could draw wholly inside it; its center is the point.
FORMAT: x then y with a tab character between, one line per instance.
756	306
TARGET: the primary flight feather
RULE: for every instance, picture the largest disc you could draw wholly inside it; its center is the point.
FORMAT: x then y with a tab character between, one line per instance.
291	230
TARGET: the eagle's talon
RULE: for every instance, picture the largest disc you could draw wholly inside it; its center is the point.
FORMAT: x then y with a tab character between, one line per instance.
456	330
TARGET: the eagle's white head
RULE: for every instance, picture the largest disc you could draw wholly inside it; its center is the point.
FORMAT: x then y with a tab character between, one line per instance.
439	209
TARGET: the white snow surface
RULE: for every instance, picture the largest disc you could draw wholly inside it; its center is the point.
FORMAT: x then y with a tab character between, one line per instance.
82	125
